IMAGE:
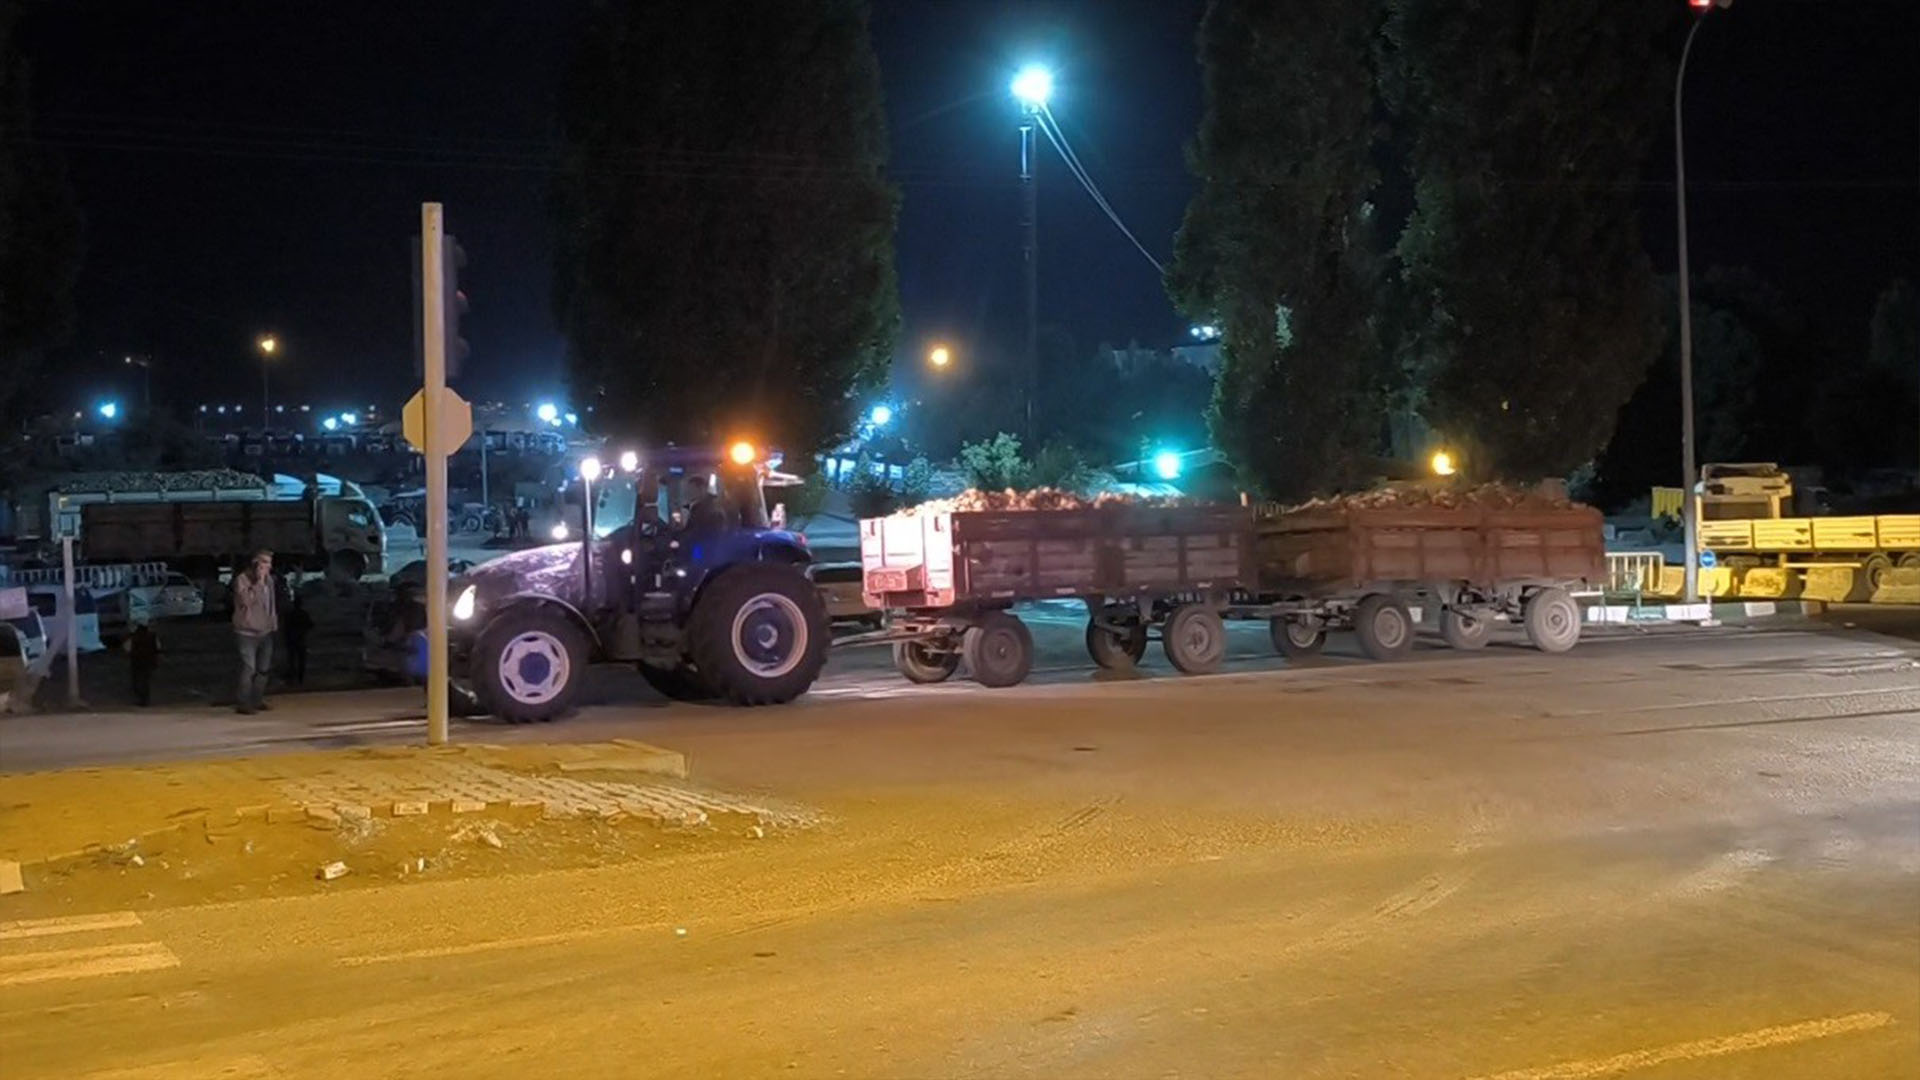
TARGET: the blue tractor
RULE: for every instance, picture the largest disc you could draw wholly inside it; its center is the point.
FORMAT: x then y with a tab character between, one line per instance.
675	567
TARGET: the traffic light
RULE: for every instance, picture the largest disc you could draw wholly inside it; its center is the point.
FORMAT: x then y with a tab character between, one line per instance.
453	300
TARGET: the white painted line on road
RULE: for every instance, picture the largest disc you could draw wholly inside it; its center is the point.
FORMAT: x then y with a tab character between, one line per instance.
66	924
495	946
1744	1042
85	963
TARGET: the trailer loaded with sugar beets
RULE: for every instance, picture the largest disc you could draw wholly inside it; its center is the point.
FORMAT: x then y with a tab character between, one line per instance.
949	574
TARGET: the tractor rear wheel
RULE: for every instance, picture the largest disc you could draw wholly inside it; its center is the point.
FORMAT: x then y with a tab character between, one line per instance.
759	634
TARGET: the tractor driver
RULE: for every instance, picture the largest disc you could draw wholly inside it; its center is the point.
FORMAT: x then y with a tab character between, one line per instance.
704	512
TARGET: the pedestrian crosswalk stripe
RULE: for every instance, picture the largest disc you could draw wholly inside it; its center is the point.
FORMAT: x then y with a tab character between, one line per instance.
85	963
66	924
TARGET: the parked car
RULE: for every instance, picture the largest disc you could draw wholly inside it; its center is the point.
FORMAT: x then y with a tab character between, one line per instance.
45	600
840	586
176	598
24	637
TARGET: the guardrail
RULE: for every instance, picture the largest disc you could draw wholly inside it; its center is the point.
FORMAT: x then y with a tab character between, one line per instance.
113	576
1634	572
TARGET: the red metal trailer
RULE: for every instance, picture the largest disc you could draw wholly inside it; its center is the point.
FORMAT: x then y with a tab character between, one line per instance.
1179	572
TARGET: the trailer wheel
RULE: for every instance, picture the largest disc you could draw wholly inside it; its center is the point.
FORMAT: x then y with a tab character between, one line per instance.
759	634
1384	626
1553	620
998	649
1116	651
923	665
678	683
1195	639
1464	630
1296	639
529	664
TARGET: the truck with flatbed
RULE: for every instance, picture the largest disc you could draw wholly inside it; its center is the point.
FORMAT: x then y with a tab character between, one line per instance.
950	577
1770	546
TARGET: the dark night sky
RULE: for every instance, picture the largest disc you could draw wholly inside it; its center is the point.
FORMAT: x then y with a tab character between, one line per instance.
259	167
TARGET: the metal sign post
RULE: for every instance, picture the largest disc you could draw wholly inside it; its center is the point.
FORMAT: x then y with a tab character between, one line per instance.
434	348
72	615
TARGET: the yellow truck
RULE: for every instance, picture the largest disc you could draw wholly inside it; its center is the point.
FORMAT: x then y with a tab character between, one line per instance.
1747	521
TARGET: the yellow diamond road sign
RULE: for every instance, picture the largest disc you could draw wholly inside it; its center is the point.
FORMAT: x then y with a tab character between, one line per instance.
455	415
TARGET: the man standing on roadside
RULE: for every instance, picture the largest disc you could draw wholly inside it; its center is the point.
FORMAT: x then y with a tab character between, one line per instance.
256	616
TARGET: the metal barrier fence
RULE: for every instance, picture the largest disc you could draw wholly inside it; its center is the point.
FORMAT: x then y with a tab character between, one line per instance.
1634	572
116	576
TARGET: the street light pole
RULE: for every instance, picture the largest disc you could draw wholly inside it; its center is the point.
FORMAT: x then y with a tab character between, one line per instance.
1030	213
1689	502
1032	86
268	346
145	364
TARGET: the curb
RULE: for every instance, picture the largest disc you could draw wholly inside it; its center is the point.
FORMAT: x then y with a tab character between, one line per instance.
1730	612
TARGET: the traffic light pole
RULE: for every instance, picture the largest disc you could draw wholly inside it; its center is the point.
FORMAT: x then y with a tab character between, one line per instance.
434	362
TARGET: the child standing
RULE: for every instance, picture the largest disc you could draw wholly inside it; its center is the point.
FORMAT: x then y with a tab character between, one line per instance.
143	655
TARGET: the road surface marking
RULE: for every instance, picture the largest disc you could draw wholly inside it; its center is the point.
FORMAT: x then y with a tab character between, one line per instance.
66	924
248	1067
495	946
85	963
1760	1039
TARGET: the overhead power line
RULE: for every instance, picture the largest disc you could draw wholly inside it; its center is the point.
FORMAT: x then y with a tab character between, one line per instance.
1059	140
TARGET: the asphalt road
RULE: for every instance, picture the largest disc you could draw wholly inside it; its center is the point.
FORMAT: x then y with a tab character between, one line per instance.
1660	856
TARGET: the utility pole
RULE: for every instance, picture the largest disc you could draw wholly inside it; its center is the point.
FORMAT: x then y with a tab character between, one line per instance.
1689	468
434	361
1030	214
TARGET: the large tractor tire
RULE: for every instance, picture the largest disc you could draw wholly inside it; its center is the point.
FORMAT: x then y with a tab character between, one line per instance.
999	650
1384	626
759	634
677	683
530	663
923	664
1553	620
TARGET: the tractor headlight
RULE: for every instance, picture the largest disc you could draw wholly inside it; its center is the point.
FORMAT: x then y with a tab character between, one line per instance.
463	606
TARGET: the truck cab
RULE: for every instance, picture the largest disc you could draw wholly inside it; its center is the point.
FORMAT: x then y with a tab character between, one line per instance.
670	561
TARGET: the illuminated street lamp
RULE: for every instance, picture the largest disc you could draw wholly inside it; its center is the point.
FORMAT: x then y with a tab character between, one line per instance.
548	412
108	410
1442	463
1032	86
881	416
268	345
940	356
1166	465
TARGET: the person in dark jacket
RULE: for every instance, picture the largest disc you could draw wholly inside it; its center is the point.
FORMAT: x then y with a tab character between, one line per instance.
297	626
143	656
